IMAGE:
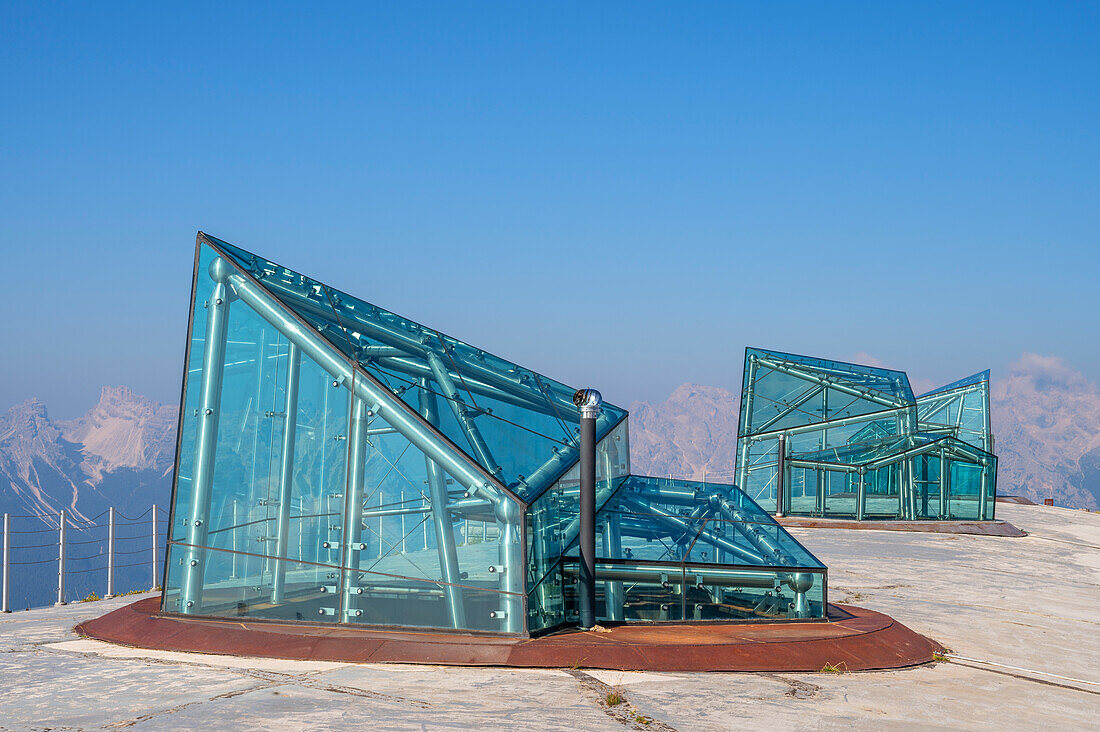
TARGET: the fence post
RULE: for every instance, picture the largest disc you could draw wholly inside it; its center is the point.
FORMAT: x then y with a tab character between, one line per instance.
61	561
110	552
7	561
153	563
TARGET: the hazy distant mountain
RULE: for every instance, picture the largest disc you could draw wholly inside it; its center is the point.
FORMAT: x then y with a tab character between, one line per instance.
692	432
120	453
1046	420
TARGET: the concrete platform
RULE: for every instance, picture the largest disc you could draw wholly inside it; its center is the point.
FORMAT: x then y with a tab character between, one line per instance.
852	638
1028	605
977	528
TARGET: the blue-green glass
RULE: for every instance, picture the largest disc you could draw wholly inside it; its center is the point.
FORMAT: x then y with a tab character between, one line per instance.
783	390
305	491
960	409
300	526
840	420
738	561
523	421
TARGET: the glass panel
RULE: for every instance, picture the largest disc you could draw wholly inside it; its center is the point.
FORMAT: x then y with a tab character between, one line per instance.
960	409
519	425
652	528
553	520
313	504
782	390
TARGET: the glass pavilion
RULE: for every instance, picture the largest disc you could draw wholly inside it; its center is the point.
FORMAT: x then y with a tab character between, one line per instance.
859	444
338	463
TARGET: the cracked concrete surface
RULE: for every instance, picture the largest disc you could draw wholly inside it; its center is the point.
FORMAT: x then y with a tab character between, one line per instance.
1032	603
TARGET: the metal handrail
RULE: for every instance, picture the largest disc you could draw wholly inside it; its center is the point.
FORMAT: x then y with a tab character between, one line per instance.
65	522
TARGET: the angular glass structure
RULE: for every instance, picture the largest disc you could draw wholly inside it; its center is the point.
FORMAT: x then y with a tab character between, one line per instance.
339	463
856	443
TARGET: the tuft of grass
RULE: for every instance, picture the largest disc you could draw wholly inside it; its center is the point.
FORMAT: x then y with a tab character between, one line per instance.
642	719
136	592
614	698
940	657
92	597
835	668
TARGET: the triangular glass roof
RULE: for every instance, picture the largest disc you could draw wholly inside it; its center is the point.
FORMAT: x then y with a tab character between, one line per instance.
783	390
968	381
514	422
723	526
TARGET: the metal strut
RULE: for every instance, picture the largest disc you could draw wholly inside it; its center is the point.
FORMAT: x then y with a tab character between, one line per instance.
352	545
441	518
462	414
286	473
394	411
206	439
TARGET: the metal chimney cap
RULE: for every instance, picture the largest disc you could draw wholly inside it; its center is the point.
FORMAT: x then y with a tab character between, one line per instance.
589	401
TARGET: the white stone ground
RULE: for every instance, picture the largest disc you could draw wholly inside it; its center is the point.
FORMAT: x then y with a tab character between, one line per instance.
1031	603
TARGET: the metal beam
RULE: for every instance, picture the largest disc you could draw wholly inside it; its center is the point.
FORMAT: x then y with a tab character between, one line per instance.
814	391
414	345
612	546
441	519
684	525
286	473
871	396
833	424
462	415
206	438
417	368
351	545
394	411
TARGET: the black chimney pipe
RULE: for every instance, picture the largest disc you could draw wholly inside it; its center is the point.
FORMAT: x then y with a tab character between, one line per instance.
589	401
781	477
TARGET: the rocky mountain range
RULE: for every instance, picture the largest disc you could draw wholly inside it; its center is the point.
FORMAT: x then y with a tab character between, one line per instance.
1046	419
118	454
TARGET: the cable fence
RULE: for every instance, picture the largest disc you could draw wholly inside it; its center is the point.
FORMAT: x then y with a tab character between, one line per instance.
77	558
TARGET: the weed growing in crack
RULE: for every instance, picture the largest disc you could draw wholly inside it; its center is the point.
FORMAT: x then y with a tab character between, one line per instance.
835	668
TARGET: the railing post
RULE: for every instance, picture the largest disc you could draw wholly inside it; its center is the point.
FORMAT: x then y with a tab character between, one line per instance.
110	553
153	561
61	561
7	563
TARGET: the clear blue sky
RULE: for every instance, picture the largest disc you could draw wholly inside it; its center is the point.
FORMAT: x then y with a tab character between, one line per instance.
621	195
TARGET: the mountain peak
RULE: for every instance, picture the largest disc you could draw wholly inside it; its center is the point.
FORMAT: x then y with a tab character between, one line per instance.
31	407
124	430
